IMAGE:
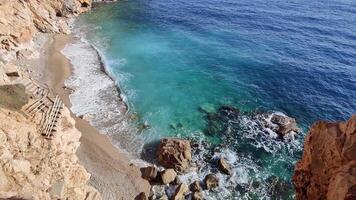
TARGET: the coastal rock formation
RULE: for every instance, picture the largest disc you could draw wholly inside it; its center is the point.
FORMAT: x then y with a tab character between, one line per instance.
327	169
224	166
211	181
20	20
195	186
180	192
284	124
174	153
32	167
168	176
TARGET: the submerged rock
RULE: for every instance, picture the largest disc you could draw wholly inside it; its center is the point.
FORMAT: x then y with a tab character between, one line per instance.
168	176
180	192
174	153
224	166
207	108
327	169
211	181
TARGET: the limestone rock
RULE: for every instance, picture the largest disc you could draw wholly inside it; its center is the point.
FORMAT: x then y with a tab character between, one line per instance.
211	181
168	176
180	192
285	124
327	169
21	20
32	167
224	166
149	173
174	153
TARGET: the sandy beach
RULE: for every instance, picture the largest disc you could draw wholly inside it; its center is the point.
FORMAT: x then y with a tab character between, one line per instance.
112	174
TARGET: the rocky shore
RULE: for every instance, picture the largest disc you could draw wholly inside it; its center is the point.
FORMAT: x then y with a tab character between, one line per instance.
32	35
79	162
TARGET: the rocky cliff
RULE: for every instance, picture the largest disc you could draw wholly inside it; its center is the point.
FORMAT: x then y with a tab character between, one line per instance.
20	20
327	169
32	167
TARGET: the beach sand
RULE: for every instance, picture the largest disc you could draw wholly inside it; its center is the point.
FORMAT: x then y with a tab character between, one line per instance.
112	174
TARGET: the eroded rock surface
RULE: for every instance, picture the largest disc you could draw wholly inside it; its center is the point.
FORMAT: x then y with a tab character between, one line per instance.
284	124
21	20
32	167
327	169
174	153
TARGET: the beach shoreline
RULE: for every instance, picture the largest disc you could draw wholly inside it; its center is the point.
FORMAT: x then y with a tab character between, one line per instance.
112	172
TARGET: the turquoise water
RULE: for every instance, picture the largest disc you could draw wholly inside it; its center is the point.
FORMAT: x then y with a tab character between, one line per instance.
173	59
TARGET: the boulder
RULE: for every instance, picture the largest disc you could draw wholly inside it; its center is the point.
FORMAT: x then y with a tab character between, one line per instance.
168	176
180	192
163	197
285	124
327	169
197	196
174	153
224	166
149	173
211	181
195	186
141	196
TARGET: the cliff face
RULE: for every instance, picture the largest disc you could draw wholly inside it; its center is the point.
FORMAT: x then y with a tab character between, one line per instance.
327	169
32	167
20	20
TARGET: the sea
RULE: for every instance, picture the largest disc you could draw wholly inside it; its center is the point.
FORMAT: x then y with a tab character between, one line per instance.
214	71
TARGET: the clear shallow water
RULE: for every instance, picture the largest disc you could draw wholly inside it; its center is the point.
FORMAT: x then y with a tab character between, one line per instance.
173	57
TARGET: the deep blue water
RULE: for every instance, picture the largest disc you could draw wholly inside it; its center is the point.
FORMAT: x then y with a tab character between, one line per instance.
173	57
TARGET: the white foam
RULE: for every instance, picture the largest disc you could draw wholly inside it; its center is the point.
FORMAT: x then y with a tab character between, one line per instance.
97	95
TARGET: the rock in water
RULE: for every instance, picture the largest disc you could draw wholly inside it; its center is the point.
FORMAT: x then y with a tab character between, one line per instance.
180	192
195	186
224	166
164	197
149	173
174	153
327	169
168	176
197	196
285	124
211	181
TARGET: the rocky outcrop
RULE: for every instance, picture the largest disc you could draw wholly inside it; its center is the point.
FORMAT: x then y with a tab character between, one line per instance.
284	124
32	167
174	153
327	169
224	166
211	181
20	20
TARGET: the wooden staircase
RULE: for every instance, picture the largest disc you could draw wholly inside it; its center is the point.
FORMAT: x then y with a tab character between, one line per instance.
43	104
50	123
